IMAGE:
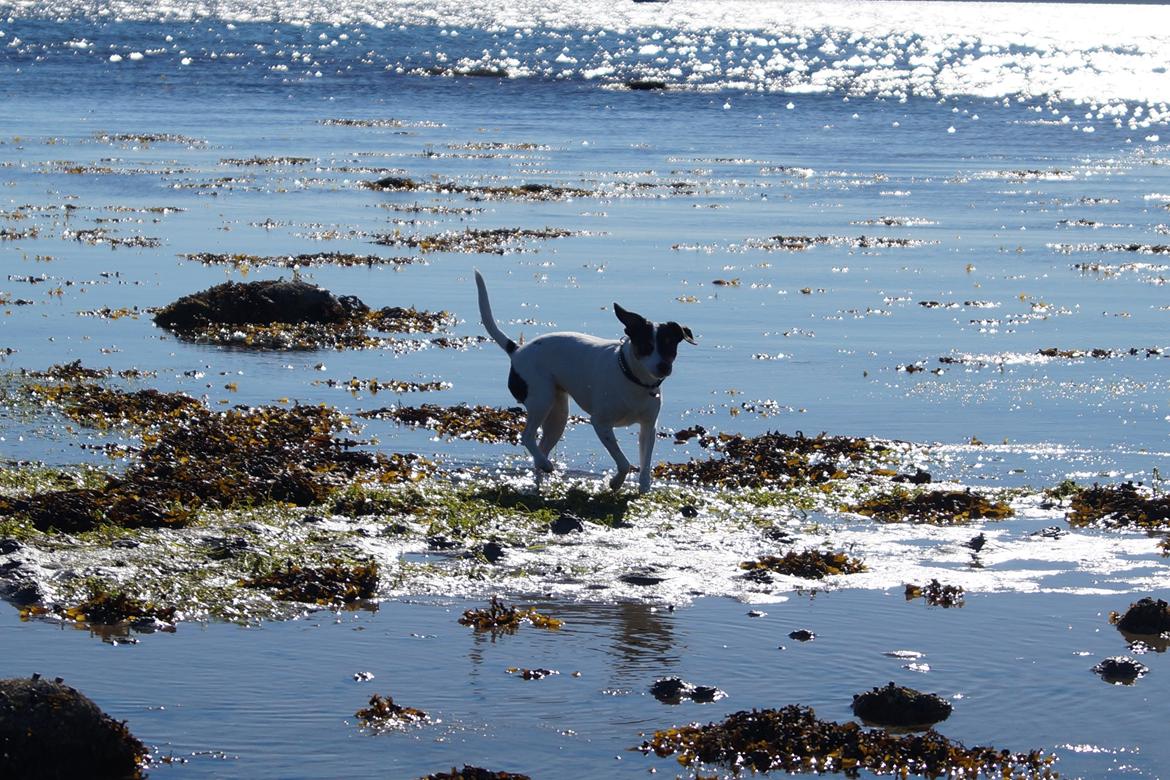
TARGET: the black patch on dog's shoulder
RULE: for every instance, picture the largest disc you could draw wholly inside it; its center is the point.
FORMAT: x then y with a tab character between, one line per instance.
517	386
510	347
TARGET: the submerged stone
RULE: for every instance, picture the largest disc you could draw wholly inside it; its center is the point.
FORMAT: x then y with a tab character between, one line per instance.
896	705
1121	670
469	772
50	730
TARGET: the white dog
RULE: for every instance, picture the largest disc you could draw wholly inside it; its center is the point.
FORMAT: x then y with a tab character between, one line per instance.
615	382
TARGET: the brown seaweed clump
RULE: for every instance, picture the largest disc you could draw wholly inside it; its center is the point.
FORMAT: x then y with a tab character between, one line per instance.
772	459
1144	616
896	705
304	260
111	608
279	314
810	564
102	407
50	730
528	191
936	507
935	594
383	713
499	618
469	772
1119	506
493	241
793	739
220	460
479	423
337	583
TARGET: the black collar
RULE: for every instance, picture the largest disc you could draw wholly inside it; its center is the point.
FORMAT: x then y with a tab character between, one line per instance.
625	367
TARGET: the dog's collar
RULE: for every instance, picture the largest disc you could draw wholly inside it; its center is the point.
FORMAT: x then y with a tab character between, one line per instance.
625	367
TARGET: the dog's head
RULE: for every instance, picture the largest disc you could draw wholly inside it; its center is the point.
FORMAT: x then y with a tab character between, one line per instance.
655	344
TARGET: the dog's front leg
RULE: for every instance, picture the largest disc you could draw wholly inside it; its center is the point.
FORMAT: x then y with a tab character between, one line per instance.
605	433
647	433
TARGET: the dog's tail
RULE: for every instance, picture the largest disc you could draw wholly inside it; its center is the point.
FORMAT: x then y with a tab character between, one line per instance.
489	322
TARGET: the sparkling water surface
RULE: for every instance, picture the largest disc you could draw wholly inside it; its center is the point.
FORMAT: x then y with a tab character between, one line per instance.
1005	143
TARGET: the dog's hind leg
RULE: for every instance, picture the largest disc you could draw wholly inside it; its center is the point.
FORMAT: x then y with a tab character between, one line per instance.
605	433
539	403
554	424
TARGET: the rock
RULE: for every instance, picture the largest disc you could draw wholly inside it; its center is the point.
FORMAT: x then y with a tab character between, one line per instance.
258	303
50	730
643	580
671	690
688	511
566	524
802	635
919	477
896	705
1146	616
9	546
705	694
492	551
1121	670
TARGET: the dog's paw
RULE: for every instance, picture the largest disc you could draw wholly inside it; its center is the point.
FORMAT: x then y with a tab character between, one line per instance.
643	487
618	479
546	466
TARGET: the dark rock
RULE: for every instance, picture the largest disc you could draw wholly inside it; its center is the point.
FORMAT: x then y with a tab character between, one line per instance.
49	730
919	477
762	576
21	594
644	580
1146	616
802	635
258	303
688	511
644	85
705	694
896	705
469	772
1121	670
671	690
566	524
394	183
492	551
125	544
9	546
441	543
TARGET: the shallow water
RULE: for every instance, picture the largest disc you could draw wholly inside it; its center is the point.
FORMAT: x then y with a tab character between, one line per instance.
1015	667
1005	144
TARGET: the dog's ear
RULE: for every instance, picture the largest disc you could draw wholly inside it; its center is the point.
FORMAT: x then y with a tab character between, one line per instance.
688	337
638	328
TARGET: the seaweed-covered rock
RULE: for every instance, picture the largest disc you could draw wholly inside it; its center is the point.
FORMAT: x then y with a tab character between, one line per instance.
240	303
935	594
811	564
1145	616
1119	506
672	690
793	739
896	705
469	772
500	618
52	731
1121	670
383	713
937	507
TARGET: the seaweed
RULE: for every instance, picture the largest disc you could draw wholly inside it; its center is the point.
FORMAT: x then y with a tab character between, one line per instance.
793	739
110	608
469	772
374	386
935	594
896	705
499	618
276	314
496	241
226	459
340	259
529	191
936	507
383	713
337	583
809	564
1119	506
531	674
772	459
480	423
576	504
102	407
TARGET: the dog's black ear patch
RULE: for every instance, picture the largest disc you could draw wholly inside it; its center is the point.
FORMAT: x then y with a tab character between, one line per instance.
638	328
517	386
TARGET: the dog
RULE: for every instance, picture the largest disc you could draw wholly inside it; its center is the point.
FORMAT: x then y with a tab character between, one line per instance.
615	382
